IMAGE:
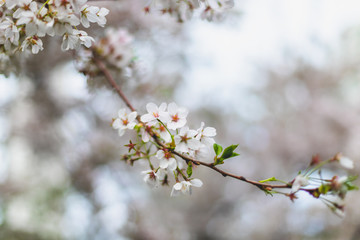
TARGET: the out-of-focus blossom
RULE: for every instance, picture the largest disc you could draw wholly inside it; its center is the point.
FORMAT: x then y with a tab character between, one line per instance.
299	181
184	187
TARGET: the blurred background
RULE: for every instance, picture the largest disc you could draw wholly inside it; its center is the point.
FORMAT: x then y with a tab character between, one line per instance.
281	78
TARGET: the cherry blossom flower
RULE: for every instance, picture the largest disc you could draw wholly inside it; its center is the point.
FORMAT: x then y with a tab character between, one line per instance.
155	113
177	116
186	140
11	33
144	132
205	153
101	21
167	160
88	14
184	187
124	121
74	39
93	14
25	7
299	181
164	134
153	178
205	135
35	43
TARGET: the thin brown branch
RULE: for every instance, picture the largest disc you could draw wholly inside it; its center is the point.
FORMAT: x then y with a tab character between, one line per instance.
112	82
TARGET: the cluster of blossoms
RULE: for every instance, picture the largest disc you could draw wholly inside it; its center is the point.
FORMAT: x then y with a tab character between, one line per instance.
24	22
165	128
167	125
331	191
184	9
114	49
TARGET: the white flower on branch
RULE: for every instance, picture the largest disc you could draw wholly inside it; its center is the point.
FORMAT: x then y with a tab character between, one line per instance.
74	39
184	187
26	8
101	20
164	134
93	14
177	116
186	140
150	178
11	33
155	113
124	121
299	181
34	42
167	160
205	135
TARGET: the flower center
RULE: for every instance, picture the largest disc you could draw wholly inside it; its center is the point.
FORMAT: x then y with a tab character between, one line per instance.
155	114
152	175
125	121
175	118
167	155
184	138
162	128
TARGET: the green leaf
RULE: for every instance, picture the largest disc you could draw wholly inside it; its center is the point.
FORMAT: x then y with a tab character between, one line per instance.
229	152
217	149
351	178
189	169
348	183
273	179
350	186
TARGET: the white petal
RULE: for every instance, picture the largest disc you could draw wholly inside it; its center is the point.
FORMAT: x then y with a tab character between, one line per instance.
183	112
191	133
172	164
152	108
160	154
132	116
164	163
164	117
196	182
209	132
117	123
162	107
122	113
183	130
145	137
147	117
103	12
182	147
131	125
177	186
300	181
346	162
172	108
174	192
